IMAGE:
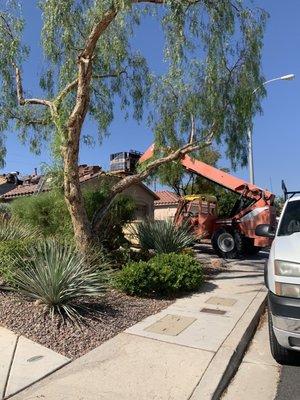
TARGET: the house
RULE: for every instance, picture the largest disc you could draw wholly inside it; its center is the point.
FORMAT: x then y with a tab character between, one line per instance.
166	206
8	182
91	176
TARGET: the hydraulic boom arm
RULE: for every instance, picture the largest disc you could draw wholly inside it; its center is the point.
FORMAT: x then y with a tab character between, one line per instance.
217	176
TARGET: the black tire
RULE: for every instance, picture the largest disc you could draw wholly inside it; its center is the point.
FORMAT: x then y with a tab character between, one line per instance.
280	354
235	247
249	248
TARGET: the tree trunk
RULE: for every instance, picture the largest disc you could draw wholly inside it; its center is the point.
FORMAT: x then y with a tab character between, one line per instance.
72	190
74	199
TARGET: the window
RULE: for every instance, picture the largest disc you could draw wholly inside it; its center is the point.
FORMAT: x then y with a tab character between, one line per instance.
290	222
140	212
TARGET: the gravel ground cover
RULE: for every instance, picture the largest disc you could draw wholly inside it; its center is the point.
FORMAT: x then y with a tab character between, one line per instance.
107	317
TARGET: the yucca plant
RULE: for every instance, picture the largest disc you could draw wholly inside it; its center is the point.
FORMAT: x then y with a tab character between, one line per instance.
164	236
59	277
13	229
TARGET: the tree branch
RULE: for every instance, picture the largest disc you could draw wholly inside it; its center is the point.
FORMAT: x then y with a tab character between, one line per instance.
72	85
110	75
193	130
30	122
102	25
96	32
139	177
7	27
20	93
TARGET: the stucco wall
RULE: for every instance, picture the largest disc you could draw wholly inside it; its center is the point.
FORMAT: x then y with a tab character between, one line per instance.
165	212
143	198
144	201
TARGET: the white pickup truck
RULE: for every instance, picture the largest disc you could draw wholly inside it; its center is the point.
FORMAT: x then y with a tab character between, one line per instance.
282	277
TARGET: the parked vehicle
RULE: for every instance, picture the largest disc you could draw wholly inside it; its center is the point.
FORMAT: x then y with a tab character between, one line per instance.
233	236
282	278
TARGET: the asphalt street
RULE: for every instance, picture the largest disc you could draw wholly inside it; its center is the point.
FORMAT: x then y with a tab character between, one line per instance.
289	383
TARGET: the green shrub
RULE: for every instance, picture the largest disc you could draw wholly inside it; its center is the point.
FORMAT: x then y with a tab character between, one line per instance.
164	274
59	277
9	252
164	236
110	233
125	255
47	212
4	209
15	239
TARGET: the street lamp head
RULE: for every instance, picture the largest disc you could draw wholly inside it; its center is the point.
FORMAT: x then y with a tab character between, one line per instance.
287	77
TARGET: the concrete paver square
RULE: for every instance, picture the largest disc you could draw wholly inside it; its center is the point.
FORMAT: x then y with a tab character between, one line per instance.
7	346
31	363
207	332
221	301
171	325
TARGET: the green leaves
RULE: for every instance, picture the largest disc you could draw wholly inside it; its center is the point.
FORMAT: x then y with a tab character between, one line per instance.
164	236
213	71
164	274
212	54
59	277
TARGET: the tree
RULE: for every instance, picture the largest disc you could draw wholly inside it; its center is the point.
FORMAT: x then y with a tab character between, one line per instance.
279	204
183	182
212	52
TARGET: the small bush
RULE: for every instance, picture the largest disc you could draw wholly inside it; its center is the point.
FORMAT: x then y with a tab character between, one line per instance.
59	277
47	212
164	236
164	274
110	233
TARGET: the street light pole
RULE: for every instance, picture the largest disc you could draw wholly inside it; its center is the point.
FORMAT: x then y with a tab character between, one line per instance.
250	135
250	156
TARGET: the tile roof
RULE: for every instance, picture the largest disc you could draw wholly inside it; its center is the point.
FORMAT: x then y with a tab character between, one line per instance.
166	197
21	190
85	172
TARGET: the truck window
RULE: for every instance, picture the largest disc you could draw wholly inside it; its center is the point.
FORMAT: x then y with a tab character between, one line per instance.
290	222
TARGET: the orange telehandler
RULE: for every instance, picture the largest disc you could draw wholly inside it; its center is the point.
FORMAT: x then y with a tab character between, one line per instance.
233	236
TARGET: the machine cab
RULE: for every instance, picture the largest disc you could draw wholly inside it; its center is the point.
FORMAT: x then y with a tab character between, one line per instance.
199	211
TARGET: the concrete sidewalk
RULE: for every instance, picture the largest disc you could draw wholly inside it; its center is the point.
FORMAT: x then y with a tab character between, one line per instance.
181	353
23	362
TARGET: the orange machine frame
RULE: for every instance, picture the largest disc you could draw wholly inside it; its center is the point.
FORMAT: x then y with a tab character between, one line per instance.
258	210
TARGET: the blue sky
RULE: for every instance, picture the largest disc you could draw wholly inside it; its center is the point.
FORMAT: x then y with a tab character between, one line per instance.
276	133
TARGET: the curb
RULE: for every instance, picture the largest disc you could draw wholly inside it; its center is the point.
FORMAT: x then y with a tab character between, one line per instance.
227	359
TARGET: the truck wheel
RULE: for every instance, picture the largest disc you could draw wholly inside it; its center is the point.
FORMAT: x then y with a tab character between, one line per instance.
227	244
249	247
282	355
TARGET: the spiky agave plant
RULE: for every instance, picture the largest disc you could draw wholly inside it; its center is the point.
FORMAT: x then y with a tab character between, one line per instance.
59	277
164	236
13	229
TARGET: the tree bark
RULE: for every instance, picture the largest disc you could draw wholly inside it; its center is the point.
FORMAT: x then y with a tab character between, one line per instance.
70	152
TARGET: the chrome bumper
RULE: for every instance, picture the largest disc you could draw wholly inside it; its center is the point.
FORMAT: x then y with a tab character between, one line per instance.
287	331
286	324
